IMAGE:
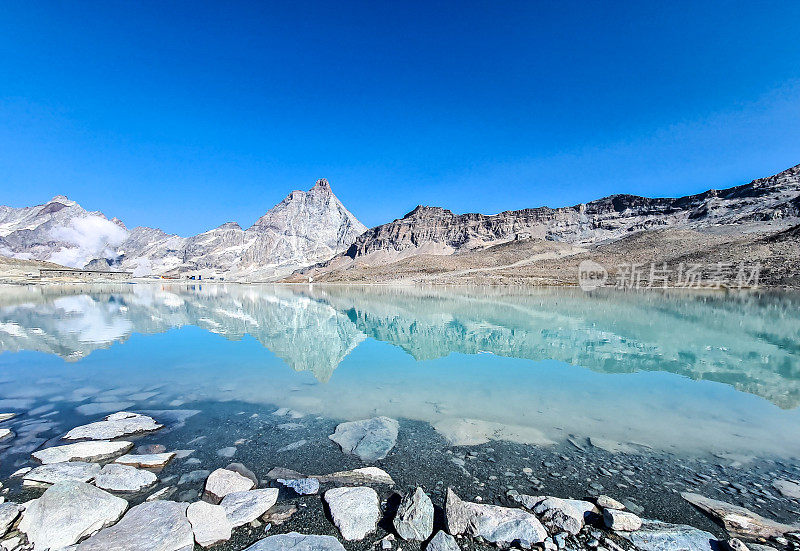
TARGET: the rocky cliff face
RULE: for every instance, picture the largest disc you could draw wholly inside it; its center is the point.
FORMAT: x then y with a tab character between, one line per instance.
305	228
764	205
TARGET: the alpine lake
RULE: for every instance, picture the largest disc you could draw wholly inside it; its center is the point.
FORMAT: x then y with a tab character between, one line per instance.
497	392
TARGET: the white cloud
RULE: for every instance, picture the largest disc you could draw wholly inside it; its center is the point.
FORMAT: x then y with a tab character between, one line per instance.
87	238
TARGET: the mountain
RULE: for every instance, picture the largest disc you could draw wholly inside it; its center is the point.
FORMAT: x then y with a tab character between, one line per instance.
304	228
431	241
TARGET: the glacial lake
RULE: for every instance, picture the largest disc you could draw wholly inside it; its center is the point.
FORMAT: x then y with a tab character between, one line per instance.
680	373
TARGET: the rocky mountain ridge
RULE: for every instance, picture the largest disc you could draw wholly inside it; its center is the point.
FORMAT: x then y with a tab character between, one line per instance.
304	228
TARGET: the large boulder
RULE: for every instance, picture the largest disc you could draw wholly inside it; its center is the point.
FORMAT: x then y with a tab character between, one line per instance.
68	512
154	525
414	518
355	511
9	512
501	525
297	542
209	523
115	425
369	439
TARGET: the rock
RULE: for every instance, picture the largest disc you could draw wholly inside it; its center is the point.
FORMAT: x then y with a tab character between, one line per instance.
209	523
661	536
296	542
364	475
6	434
473	432
279	514
164	493
282	472
369	439
20	472
7	416
414	518
116	425
735	544
244	471
572	513
96	408
787	488
608	502
67	512
292	446
355	511
621	520
303	486
557	521
244	507
154	526
227	453
612	446
75	471
150	449
124	478
223	482
501	525
82	451
146	461
442	541
193	476
9	512
738	521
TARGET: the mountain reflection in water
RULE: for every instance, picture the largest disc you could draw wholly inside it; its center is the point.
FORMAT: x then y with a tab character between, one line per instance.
673	371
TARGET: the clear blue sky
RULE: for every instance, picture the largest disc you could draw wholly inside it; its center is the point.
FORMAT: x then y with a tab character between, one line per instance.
185	115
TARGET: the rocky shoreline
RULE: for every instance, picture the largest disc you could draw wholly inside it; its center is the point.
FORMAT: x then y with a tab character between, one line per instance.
100	486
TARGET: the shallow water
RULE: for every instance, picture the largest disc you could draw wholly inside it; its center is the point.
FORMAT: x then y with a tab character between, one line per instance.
679	373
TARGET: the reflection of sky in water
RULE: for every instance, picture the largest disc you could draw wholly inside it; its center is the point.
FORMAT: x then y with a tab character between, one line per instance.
683	373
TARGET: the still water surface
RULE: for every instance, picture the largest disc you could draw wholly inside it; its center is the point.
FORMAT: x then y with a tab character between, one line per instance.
683	373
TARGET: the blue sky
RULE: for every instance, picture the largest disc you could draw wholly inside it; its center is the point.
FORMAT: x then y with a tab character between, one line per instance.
185	115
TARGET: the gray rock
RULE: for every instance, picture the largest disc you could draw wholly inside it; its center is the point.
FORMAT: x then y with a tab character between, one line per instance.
787	488
609	502
560	515
227	453
244	507
47	475
193	476
297	542
154	526
115	425
209	523
355	511
124	478
303	486
96	408
244	471
150	449
6	434
621	520
735	544
222	482
661	536
164	493
442	541
82	451
364	475
67	512
292	446
9	512
146	461
369	439
414	519
501	525
738	521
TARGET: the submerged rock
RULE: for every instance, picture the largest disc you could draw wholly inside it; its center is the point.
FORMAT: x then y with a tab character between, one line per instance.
124	478
67	512
193	476
501	525
661	536
6	434
355	511
244	507
787	488
297	542
473	432
738	521
222	482
147	461
209	523
82	451
155	526
47	475
414	518
442	541
369	439
115	425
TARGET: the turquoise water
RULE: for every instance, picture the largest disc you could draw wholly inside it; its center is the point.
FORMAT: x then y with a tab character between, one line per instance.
686	373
